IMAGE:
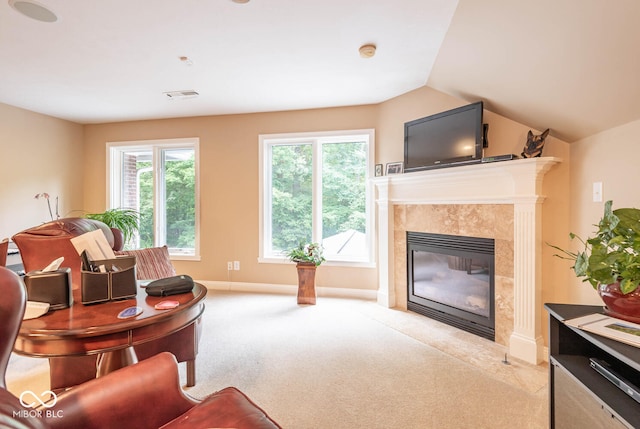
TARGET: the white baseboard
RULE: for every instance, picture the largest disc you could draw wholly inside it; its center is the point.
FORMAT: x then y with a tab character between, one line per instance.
365	294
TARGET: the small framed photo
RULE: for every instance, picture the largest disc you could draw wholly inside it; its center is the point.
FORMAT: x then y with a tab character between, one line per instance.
378	170
394	168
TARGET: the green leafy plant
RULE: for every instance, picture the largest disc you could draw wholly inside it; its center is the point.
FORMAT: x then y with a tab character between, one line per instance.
613	253
307	252
126	220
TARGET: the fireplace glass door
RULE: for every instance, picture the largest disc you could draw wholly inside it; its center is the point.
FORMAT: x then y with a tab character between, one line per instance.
451	279
455	281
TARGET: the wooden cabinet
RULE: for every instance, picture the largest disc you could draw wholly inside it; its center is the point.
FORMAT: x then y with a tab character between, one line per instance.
580	397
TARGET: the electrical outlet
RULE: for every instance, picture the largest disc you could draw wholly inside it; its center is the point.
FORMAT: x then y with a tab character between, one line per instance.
229	266
236	265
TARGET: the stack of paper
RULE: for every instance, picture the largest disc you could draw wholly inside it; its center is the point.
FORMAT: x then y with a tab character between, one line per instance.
610	327
95	244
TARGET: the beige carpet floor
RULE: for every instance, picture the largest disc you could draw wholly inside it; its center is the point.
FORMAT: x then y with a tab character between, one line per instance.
351	364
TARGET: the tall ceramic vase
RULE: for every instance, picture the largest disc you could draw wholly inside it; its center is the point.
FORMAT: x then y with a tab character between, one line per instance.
306	283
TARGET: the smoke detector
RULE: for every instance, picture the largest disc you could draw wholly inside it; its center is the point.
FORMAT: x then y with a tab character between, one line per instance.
367	51
181	95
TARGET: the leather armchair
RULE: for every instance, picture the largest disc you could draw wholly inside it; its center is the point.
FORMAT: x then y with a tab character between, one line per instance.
4	248
42	244
12	307
143	395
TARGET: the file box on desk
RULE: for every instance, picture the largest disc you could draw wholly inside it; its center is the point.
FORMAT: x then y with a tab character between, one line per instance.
111	285
53	287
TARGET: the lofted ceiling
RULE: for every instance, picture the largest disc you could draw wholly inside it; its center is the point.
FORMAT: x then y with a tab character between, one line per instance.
569	65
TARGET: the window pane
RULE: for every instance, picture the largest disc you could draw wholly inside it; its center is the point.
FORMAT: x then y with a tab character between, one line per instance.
145	208
158	181
180	200
344	169
137	192
291	195
314	189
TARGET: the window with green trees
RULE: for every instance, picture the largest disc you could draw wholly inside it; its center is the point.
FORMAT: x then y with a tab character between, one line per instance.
159	180
314	189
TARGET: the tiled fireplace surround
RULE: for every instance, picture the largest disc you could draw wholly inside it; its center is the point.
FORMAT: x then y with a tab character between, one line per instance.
499	200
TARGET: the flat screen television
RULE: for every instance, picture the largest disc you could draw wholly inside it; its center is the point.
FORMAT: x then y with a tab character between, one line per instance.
445	139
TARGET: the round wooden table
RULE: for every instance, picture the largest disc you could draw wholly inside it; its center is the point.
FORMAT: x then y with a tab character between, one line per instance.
96	329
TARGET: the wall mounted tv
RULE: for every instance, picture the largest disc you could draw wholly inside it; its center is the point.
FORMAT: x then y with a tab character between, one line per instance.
445	139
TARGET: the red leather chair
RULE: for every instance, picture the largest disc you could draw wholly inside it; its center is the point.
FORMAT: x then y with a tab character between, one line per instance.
144	395
4	248
12	306
44	243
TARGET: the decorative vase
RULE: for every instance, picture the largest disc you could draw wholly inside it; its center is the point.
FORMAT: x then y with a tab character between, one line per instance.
617	304
306	283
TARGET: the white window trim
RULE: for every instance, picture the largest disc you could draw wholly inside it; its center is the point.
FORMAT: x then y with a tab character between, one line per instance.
264	165
113	199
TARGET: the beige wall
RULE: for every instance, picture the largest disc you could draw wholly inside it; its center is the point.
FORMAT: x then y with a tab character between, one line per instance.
608	157
229	186
39	154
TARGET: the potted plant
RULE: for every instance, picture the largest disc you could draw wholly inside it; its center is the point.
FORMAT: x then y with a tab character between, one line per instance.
125	220
307	256
610	261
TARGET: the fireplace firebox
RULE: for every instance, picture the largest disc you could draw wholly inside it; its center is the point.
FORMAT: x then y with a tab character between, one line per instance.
451	279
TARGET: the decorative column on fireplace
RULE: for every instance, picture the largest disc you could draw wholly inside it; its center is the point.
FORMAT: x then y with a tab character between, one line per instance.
515	183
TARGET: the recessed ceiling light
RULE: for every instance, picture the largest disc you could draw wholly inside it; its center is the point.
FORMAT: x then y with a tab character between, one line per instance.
367	51
240	1
33	10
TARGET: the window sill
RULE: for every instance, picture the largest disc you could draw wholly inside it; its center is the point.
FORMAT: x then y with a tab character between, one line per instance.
185	258
351	264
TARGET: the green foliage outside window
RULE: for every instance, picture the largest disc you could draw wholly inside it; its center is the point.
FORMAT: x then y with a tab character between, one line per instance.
291	188
343	188
343	191
180	204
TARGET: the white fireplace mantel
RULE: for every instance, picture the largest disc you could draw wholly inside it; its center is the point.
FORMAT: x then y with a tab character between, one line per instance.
517	182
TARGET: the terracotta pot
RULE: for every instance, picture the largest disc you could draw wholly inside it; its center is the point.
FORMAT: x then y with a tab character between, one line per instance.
306	283
619	305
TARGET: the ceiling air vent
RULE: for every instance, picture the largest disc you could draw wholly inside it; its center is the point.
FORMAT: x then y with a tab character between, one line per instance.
181	95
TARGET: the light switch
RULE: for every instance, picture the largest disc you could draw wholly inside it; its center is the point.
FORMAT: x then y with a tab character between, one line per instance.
597	192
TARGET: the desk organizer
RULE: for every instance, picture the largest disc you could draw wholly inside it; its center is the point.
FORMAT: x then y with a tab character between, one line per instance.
53	287
118	283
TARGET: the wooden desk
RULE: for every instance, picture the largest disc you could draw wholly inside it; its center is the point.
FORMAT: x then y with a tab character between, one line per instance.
96	329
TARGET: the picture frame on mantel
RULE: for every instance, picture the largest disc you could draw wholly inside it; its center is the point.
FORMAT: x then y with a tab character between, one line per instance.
395	168
378	170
